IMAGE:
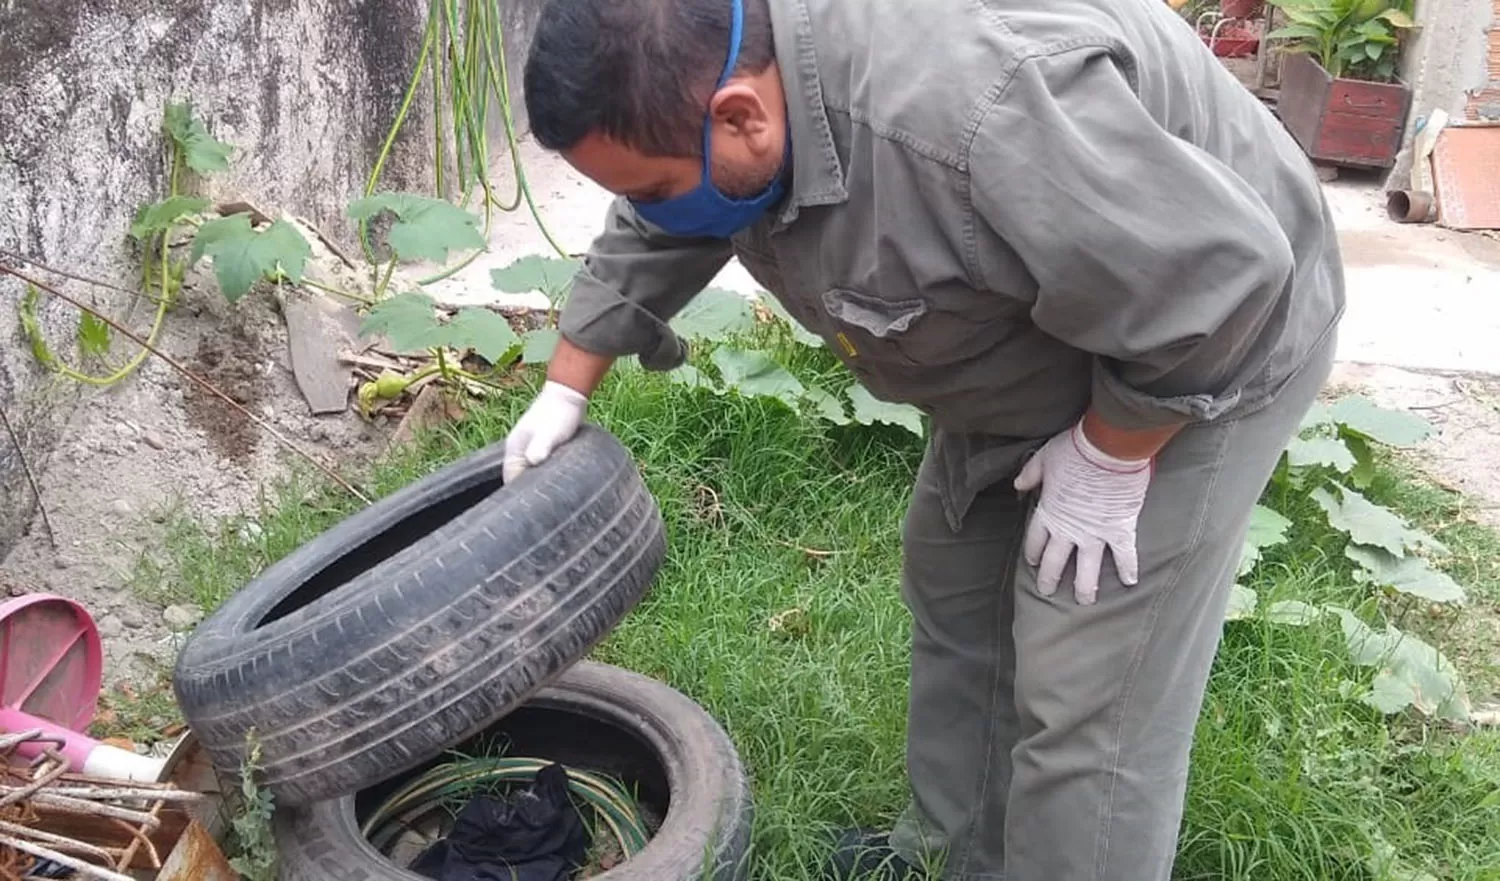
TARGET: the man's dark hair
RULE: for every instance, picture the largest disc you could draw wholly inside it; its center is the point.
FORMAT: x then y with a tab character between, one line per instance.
639	72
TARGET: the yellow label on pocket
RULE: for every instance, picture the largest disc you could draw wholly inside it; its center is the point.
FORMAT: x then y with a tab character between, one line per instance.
848	346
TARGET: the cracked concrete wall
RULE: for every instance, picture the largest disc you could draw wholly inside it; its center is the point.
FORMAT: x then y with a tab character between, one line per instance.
305	90
1444	65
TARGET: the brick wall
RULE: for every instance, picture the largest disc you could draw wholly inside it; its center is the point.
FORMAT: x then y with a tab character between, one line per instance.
1485	104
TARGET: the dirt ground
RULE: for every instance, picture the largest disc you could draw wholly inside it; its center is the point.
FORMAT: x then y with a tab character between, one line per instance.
158	442
1462	453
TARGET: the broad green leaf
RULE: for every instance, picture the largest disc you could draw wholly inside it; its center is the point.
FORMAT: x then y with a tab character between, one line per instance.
1436	688
869	410
715	314
1394	428
538	345
242	255
216	231
1398	18
1390	694
1293	612
799	333
1325	451
827	406
201	151
1408	575
159	217
483	330
1362	475
755	374
692	377
1372	51
425	229
1367	523
1242	603
1267	529
408	320
1317	415
1295	32
93	334
549	275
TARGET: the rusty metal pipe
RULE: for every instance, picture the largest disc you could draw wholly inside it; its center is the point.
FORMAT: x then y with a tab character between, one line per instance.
1411	206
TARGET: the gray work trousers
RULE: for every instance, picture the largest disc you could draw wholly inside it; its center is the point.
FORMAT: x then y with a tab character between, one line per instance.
1049	741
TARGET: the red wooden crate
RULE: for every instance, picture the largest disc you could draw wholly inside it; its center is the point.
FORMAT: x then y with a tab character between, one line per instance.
1344	122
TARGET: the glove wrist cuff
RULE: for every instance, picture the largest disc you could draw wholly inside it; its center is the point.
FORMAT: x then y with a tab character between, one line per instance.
1100	459
566	394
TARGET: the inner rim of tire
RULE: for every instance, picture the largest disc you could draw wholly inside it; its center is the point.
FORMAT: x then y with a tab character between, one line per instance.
381	547
572	739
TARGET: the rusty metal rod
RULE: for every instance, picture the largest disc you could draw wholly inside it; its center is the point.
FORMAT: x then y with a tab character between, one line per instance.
122	794
76	865
92	808
60	841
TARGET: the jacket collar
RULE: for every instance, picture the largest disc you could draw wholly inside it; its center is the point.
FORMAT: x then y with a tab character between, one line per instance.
817	173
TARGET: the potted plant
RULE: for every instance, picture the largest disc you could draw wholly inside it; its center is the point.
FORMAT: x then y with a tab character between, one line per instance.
1341	97
1241	9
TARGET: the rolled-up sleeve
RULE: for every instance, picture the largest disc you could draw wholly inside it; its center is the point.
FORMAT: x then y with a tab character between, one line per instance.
633	280
1147	252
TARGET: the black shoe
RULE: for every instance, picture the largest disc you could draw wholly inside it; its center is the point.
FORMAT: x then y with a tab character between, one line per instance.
867	856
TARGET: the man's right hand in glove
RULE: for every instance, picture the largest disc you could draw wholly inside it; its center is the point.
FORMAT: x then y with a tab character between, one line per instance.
557	412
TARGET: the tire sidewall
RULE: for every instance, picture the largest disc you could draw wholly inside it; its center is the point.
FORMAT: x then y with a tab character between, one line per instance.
704	837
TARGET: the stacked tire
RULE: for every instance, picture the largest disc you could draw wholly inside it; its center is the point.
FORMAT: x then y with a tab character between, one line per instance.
419	622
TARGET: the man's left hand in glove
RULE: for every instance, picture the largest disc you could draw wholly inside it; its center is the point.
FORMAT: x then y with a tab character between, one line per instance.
1090	500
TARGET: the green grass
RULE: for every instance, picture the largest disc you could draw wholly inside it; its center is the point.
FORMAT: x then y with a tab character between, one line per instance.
143	713
778	610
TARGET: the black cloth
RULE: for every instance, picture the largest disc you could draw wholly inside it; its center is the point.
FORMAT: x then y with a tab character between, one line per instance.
535	835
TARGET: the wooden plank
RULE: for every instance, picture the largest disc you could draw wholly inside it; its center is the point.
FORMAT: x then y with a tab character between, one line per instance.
196	857
317	330
1380	101
1304	95
1352	139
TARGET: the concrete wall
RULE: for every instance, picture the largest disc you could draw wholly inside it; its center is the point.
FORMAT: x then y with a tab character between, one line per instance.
1445	65
306	90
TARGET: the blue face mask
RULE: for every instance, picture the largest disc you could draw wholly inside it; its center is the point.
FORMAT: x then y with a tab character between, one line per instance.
704	210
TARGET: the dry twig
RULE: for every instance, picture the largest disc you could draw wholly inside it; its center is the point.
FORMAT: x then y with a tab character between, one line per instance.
36	488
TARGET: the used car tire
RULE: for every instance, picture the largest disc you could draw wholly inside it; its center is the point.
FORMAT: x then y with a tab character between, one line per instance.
421	619
704	836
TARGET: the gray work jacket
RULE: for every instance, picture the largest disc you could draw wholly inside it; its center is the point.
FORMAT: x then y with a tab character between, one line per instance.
1004	210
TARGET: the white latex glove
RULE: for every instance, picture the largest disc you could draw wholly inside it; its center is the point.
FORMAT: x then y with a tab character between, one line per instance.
551	421
1090	501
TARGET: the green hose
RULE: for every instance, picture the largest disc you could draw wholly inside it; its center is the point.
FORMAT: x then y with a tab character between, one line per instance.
448	786
475	71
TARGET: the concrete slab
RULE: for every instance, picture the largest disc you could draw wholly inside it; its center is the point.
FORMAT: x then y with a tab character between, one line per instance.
1420	297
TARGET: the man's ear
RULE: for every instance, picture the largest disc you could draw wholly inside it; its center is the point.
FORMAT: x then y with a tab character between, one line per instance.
739	108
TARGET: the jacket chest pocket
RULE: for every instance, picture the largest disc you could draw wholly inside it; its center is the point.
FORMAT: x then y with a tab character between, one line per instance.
920	331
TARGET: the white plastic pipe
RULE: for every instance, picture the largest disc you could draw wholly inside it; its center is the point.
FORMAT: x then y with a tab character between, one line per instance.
84	754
